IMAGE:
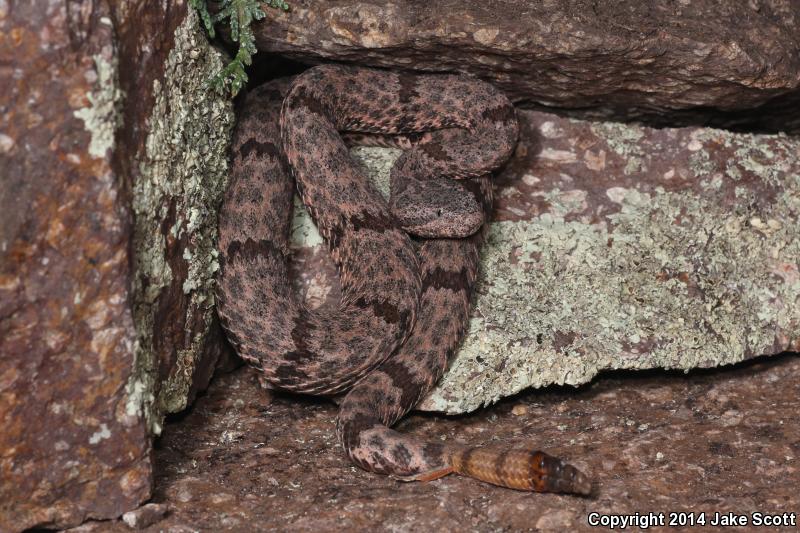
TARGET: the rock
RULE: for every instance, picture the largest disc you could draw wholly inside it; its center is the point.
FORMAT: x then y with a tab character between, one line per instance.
616	247
629	247
519	410
145	516
87	120
179	179
72	428
113	154
698	62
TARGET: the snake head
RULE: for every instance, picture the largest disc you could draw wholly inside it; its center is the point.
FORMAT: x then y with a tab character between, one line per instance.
438	208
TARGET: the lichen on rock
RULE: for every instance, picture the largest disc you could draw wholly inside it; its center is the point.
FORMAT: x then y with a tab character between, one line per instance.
581	305
176	198
657	274
102	117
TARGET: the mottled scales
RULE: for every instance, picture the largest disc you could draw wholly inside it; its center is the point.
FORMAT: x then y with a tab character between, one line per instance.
404	307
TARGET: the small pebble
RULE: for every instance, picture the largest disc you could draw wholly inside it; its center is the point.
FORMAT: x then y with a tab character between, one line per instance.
556	521
519	409
145	515
6	143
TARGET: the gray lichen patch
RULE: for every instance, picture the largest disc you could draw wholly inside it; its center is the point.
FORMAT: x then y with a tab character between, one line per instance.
559	301
672	277
176	197
102	117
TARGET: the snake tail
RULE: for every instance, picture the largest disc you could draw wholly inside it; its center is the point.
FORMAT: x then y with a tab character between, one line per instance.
520	469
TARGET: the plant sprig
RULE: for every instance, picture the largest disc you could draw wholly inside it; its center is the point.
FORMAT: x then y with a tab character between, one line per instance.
240	15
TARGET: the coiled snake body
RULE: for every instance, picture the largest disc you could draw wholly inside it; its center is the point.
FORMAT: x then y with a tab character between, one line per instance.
403	310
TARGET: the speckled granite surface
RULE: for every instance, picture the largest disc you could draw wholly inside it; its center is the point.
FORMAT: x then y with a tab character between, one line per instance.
721	440
617	246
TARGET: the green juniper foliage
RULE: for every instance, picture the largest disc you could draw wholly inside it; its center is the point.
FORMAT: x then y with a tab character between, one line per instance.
240	14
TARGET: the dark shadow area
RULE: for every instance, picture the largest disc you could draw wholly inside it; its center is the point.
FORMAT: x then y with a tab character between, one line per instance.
772	117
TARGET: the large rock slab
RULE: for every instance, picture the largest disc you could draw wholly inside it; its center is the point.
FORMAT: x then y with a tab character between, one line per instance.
618	247
112	162
622	247
688	62
74	444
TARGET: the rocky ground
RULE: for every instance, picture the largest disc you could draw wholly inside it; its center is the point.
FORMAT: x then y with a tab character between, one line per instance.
723	440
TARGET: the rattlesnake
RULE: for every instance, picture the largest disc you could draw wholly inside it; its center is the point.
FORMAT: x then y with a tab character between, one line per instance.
403	310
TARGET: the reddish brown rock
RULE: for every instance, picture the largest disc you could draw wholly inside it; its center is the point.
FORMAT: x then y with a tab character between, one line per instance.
674	62
79	389
74	444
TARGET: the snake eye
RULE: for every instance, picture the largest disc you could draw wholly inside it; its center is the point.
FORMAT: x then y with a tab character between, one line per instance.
438	212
